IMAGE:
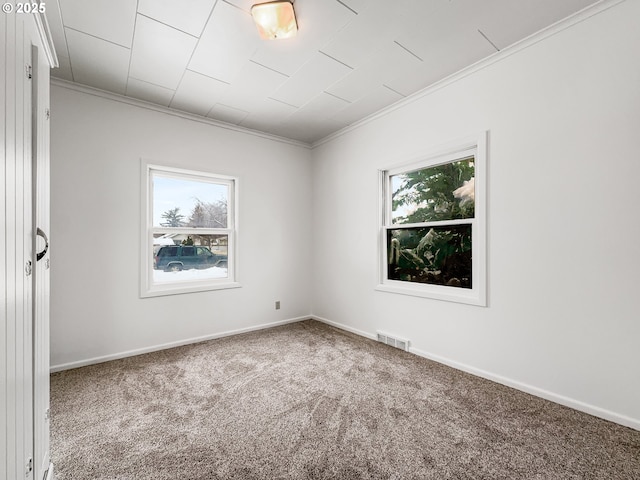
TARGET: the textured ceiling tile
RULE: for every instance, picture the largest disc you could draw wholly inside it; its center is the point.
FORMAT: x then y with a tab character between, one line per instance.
312	79
309	128
267	112
317	22
391	62
448	42
323	106
273	109
112	20
442	60
284	56
227	114
357	84
160	53
197	93
424	75
253	84
439	64
149	92
444	30
313	121
110	73
305	132
375	101
245	4
366	34
447	35
421	9
357	6
189	16
229	40
520	19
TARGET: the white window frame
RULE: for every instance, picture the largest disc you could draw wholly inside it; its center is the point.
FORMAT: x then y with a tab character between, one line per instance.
460	149
147	287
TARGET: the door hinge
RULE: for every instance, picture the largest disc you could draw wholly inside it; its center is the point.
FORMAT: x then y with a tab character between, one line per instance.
29	71
29	467
47	113
47	414
27	268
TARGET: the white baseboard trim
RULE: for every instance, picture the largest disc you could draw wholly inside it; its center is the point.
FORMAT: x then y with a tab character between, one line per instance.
538	392
164	346
50	474
345	327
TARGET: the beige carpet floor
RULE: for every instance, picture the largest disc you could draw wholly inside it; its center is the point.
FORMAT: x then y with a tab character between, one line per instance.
307	401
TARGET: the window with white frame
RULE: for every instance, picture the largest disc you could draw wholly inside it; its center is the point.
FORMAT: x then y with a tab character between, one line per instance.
433	226
189	235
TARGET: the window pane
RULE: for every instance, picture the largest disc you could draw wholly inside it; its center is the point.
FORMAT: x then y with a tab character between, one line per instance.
189	257
442	192
180	202
435	255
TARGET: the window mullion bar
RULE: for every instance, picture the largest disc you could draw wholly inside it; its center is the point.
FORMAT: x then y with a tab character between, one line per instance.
197	231
461	221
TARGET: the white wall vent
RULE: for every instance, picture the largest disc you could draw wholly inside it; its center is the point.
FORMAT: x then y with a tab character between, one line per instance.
392	341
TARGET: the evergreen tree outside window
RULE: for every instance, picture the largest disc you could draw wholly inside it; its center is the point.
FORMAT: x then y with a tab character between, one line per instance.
433	226
189	236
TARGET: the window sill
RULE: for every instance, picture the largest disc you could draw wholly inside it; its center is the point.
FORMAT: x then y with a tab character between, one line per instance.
435	292
173	289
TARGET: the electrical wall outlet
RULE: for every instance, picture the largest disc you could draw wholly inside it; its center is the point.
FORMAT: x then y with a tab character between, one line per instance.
278	305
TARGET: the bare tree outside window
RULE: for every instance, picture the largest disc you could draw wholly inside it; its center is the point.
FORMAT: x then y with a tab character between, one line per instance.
190	233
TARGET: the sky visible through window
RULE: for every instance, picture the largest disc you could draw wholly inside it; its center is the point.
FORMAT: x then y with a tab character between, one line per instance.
169	193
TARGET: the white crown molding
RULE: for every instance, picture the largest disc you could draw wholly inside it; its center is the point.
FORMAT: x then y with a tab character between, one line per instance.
44	31
169	111
506	52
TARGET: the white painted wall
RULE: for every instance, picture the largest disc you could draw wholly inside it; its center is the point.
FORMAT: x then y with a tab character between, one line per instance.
563	319
96	146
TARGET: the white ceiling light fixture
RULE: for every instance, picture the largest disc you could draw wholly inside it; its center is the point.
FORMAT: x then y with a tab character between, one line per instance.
275	20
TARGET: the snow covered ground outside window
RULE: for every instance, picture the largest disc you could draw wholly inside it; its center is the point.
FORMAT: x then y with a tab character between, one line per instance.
160	276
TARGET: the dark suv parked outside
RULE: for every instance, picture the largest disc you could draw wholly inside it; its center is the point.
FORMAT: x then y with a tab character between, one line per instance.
184	257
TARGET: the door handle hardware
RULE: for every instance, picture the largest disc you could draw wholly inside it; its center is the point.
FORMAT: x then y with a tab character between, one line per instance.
41	254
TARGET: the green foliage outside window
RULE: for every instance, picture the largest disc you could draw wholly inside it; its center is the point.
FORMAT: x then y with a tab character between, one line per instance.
430	193
439	254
